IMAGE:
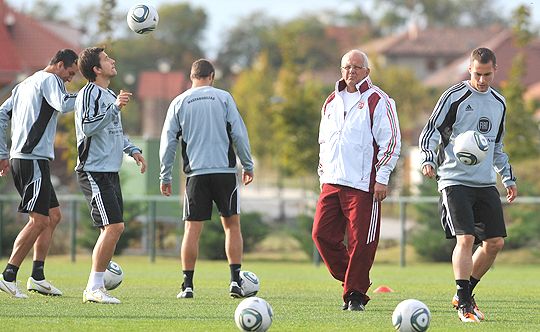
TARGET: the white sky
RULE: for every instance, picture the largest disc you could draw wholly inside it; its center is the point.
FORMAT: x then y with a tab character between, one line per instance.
223	14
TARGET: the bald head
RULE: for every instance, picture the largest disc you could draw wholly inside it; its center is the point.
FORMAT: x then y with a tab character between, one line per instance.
354	68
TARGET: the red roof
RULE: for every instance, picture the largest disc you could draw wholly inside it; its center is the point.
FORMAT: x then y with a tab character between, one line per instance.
27	44
505	50
157	85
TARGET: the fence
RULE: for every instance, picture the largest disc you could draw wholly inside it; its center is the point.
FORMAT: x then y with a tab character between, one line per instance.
286	206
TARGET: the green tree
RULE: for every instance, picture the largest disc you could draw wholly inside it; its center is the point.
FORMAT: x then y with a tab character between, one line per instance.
522	139
46	10
255	105
106	17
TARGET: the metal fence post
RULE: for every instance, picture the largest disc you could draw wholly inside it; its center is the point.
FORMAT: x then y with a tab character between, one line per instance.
403	237
1	226
73	230
152	224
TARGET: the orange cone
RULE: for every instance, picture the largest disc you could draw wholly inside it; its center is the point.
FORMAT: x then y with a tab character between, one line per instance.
383	289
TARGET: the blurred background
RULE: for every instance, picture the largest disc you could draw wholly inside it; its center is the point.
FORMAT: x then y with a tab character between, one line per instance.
280	59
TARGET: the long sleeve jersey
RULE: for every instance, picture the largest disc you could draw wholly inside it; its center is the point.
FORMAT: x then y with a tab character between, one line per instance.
100	137
209	125
459	109
33	108
361	145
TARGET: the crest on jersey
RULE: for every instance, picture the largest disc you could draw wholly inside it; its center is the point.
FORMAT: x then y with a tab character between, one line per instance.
484	125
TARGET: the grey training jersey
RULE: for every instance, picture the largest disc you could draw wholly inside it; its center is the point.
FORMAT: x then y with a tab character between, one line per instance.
459	109
208	123
33	109
100	137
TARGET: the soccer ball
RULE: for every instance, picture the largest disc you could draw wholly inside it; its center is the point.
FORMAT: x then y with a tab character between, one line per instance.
250	283
253	314
411	316
142	18
471	147
113	276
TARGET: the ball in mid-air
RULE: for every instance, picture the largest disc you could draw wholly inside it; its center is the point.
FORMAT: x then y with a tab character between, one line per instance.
142	19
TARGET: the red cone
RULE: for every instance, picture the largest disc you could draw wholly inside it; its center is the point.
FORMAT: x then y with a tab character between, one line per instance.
383	289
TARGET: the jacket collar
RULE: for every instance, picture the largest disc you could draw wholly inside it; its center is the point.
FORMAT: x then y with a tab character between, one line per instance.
362	86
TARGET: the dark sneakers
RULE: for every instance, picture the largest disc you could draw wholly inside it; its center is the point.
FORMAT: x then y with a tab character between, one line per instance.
235	290
186	293
356	305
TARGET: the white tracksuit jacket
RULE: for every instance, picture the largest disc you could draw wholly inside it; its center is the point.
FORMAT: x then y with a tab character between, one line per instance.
362	145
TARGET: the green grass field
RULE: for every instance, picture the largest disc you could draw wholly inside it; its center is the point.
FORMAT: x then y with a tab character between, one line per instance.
304	298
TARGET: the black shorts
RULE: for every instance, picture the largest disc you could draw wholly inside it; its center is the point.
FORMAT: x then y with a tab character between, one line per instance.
104	196
472	211
202	190
32	179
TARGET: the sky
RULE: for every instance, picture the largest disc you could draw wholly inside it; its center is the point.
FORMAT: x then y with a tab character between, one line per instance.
224	14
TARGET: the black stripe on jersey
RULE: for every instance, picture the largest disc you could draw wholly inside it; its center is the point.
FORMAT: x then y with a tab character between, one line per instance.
83	150
446	126
501	125
38	128
232	156
96	104
61	84
185	158
424	144
86	99
10	113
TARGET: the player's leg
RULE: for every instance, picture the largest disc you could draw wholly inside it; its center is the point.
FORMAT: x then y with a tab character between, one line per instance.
103	194
197	209
363	228
35	200
457	216
329	231
224	188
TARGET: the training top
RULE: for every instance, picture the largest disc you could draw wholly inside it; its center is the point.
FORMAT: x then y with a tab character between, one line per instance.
100	137
33	109
359	137
209	125
462	108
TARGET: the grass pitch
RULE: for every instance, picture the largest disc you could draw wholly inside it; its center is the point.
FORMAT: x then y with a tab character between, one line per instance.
304	298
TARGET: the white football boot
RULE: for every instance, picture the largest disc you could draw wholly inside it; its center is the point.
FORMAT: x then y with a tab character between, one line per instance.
11	288
42	287
99	295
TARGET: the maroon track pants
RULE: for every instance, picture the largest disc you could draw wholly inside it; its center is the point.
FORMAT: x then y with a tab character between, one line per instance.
343	210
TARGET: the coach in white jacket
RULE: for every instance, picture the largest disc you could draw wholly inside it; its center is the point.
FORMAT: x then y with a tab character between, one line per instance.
360	142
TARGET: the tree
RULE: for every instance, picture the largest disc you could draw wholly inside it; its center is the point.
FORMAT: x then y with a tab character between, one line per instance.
46	10
255	105
106	16
522	139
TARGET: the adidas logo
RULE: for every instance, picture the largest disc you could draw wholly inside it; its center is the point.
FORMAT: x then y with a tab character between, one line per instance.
469	108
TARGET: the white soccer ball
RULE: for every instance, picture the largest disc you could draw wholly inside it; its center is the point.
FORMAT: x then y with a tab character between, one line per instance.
253	314
142	18
411	316
113	276
250	283
471	147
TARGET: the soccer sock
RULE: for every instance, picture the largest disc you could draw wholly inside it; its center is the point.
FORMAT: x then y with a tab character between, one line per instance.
37	270
10	273
235	272
463	291
473	281
188	278
95	280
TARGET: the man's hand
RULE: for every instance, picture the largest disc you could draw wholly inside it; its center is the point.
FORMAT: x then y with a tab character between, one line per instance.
123	98
379	193
166	189
139	159
428	171
511	193
247	177
4	167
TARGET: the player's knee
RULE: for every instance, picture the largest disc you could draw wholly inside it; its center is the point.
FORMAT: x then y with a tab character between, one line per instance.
115	229
38	221
55	217
493	246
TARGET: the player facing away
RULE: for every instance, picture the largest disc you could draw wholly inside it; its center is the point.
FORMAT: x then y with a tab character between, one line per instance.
33	109
101	144
209	126
360	143
471	210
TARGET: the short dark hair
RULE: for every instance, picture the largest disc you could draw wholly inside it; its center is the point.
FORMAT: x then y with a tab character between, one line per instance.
66	55
88	59
483	55
202	68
